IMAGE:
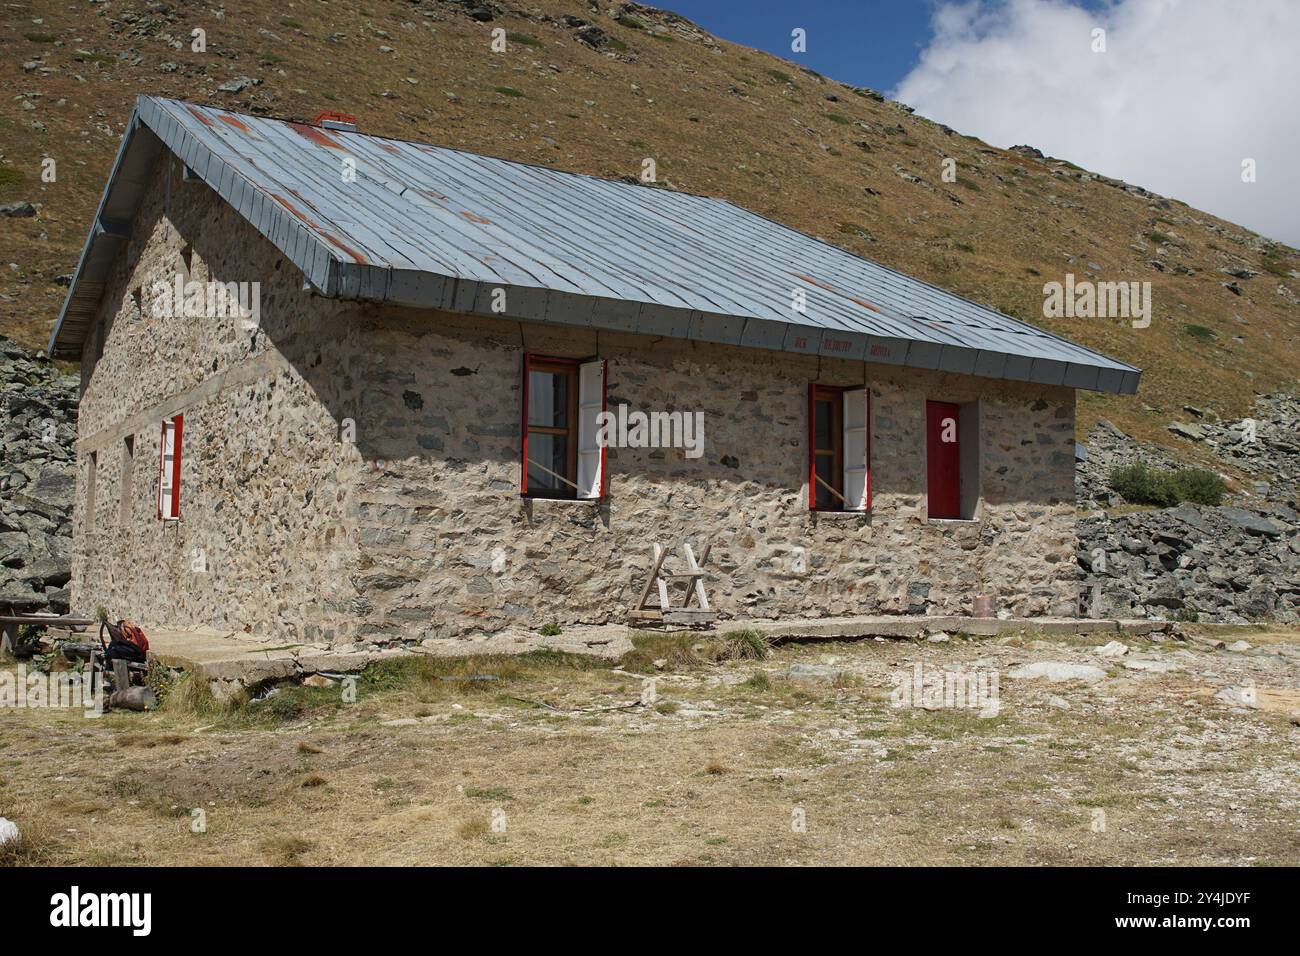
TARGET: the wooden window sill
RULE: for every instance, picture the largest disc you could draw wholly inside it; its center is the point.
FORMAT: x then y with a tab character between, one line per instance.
561	501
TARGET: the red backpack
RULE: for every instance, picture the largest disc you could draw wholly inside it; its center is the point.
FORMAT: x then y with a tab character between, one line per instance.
126	640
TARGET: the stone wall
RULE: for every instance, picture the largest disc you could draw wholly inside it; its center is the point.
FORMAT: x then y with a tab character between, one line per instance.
262	544
449	546
417	529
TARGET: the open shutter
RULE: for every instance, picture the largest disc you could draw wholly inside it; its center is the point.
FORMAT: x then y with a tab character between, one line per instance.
857	449
166	467
162	465
523	427
591	454
179	422
812	447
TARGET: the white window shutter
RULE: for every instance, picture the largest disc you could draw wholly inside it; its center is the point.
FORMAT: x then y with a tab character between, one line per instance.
856	423
167	472
591	402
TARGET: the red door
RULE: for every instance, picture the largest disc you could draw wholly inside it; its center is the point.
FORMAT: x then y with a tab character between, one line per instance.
943	460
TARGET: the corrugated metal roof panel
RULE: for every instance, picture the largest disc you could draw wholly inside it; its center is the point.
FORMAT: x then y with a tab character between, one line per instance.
577	250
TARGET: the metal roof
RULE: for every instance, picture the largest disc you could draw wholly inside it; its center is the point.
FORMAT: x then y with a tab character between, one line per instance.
432	227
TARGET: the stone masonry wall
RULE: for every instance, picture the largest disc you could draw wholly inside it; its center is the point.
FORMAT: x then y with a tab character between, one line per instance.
264	477
448	545
417	529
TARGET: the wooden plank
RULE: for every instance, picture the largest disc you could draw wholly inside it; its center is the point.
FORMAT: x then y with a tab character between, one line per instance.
677	615
700	596
689	616
41	619
659	553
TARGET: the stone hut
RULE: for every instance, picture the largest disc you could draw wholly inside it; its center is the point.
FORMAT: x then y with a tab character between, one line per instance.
341	387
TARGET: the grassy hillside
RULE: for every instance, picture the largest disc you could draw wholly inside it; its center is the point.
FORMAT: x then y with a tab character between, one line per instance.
600	90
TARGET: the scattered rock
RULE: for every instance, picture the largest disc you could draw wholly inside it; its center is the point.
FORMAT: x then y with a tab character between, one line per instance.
812	673
18	210
1153	667
1113	649
238	84
1190	432
1058	671
1239	696
9	832
38	408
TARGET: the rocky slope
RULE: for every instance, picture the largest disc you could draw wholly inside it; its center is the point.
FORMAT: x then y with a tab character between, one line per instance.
599	87
1236	563
38	411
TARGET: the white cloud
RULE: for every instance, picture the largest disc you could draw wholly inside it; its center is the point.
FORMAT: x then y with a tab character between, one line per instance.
1185	90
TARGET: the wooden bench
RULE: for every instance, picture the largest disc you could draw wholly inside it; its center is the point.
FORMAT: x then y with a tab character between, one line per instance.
11	620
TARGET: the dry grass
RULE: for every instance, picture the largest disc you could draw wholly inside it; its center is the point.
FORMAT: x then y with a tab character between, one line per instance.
285	850
710	776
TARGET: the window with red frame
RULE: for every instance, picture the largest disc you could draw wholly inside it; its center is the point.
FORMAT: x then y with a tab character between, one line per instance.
562	402
839	448
169	468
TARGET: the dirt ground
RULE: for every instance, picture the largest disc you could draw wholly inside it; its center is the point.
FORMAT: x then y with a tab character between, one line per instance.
798	758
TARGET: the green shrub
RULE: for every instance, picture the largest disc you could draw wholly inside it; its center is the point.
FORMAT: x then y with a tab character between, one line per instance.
1197	485
550	630
1140	484
29	635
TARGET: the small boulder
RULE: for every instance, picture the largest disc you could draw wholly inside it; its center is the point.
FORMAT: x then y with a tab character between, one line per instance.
1154	667
1239	697
812	673
1058	671
18	210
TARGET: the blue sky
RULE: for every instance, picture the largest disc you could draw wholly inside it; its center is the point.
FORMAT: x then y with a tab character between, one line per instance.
1181	97
864	42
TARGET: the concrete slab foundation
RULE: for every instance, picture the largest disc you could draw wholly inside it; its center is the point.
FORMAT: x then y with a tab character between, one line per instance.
249	660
